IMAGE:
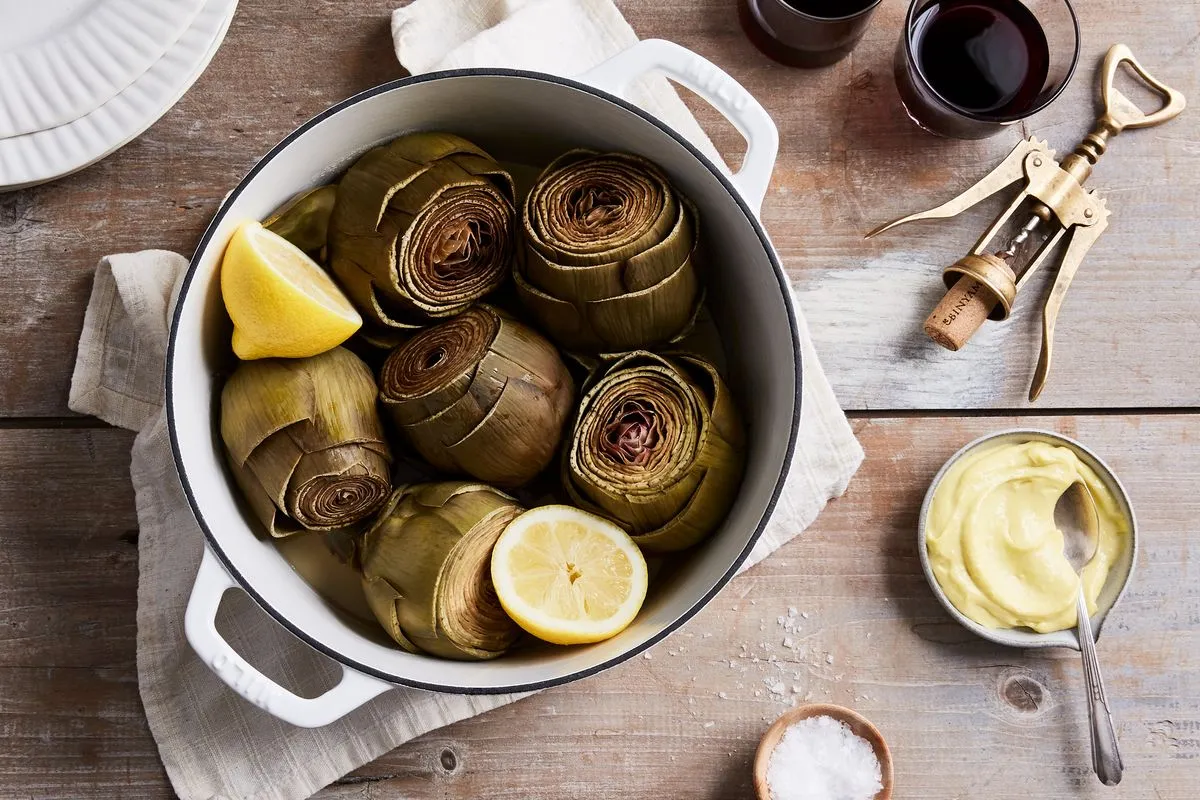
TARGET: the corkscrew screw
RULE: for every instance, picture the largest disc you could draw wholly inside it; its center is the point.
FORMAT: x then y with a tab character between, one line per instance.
985	283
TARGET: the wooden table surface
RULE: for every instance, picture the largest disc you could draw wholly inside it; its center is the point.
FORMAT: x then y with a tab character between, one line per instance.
965	719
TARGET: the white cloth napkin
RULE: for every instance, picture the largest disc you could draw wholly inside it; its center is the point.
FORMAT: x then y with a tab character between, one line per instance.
213	744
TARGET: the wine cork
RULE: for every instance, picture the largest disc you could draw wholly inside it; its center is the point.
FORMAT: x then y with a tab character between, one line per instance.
963	310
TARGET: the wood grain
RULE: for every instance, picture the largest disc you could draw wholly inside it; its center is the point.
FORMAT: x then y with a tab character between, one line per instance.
963	718
848	161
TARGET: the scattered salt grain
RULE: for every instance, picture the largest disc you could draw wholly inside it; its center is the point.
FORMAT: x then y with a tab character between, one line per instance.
722	695
820	758
646	656
792	611
829	658
709	724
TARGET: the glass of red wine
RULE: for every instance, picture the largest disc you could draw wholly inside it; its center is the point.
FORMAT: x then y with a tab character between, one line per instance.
968	68
805	33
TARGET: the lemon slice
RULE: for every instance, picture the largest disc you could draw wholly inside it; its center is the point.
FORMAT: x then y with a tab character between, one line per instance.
281	302
567	576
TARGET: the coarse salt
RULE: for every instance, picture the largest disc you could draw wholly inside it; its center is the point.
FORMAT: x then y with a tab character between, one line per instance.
820	758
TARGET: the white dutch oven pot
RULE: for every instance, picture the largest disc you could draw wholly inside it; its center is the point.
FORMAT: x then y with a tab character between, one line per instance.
521	117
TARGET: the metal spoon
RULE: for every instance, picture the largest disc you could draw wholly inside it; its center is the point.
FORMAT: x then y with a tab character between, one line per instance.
1077	518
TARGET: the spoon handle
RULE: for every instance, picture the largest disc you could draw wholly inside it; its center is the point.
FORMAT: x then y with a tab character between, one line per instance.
1106	758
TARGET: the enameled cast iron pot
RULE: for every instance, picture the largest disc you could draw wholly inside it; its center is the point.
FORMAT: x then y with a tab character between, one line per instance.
522	117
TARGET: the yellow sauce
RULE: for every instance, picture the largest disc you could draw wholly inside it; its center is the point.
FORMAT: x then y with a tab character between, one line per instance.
993	544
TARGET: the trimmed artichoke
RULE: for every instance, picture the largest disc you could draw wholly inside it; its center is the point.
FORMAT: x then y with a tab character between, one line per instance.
305	442
479	394
426	566
610	261
658	447
304	220
423	227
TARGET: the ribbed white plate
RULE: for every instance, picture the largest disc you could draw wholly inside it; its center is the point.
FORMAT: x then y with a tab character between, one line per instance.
60	59
44	155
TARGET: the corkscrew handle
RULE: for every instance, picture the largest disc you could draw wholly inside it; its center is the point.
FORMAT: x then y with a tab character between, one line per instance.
1120	112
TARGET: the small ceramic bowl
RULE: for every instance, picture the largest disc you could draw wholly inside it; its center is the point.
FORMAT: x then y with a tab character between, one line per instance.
857	723
1118	579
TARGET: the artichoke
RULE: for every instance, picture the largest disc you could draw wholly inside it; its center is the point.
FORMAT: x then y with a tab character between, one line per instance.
426	566
610	260
305	441
479	394
423	227
658	447
304	220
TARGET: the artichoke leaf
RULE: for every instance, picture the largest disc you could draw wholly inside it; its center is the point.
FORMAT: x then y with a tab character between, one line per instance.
384	601
654	314
304	220
280	458
276	523
262	398
506	428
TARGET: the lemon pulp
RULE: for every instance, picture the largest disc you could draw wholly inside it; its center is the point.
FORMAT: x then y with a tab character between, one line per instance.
282	303
567	576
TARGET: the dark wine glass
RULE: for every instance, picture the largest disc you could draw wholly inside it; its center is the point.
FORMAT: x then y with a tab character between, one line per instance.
805	33
968	68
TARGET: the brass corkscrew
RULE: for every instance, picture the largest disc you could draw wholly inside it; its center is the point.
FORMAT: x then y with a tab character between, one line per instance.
985	283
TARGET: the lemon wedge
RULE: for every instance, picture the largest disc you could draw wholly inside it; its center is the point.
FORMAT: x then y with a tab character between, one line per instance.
281	302
567	576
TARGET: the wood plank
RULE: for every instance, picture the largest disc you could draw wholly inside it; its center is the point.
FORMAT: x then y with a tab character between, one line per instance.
68	574
964	718
70	716
846	150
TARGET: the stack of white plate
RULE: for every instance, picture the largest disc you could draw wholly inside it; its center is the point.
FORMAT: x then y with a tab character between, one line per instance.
81	78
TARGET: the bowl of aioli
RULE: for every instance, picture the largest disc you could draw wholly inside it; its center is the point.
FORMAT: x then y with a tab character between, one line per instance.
990	550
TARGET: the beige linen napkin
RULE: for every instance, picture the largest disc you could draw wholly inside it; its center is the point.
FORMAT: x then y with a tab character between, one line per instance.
213	744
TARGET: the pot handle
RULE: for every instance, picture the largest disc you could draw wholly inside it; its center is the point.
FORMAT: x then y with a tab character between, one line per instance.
212	581
714	85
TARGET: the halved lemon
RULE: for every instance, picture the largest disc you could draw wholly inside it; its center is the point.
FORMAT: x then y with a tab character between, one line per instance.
281	302
567	576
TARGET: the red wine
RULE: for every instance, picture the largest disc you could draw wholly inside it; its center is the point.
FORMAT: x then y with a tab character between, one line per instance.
829	9
985	56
